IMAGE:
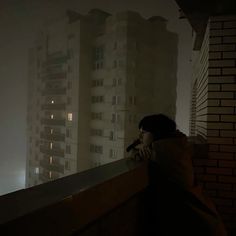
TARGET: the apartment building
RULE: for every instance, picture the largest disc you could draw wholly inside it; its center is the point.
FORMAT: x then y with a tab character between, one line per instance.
91	79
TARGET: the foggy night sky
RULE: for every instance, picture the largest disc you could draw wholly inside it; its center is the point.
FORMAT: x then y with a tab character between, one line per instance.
20	21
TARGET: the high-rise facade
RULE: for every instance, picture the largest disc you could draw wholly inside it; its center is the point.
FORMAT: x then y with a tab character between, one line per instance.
91	79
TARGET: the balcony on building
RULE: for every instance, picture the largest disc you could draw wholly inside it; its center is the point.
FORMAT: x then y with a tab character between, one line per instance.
53	76
47	176
55	166
55	91
50	106
53	137
59	122
54	151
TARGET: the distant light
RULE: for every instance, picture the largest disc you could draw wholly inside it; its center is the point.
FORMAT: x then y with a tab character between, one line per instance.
36	171
52	102
50	174
51	131
51	116
50	159
50	145
70	116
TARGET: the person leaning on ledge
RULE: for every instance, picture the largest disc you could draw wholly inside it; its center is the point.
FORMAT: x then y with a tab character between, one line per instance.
175	204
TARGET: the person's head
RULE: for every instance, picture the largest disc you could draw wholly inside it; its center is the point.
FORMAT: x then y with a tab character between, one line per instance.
154	127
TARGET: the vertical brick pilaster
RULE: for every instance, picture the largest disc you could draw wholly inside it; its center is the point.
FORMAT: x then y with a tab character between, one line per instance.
215	117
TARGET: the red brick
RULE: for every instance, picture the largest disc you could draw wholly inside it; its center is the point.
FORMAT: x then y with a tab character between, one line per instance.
231	164
223	202
221	63
215	40
219	186
228	118
213	148
228	133
213	133
207	178
227	179
229	39
198	170
227	148
219	95
213	102
227	194
229	71
227	24
228	87
229	55
221	47
214	55
220	140
222	18
220	110
219	171
227	209
213	118
216	25
211	193
204	162
222	156
221	79
215	71
230	102
219	125
213	87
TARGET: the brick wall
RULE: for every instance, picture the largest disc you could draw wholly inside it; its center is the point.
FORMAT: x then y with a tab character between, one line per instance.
216	114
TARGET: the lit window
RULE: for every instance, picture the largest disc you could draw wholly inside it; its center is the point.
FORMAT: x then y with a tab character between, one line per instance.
50	160
50	174
50	145
51	116
36	171
70	116
52	102
51	131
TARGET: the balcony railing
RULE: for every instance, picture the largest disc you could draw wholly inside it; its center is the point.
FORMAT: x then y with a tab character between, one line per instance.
102	201
54	151
59	122
58	91
50	106
52	137
52	166
54	76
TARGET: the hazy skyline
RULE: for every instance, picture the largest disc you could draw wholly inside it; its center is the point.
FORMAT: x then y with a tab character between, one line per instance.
19	23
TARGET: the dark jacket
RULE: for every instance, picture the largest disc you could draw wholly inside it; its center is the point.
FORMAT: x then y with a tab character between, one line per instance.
175	204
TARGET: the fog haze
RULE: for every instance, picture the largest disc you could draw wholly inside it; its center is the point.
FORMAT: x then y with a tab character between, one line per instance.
20	22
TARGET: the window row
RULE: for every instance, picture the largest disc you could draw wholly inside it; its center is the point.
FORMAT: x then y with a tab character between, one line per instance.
97	83
96	149
96	132
96	115
97	99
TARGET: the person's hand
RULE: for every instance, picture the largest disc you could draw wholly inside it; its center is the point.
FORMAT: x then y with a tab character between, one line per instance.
145	152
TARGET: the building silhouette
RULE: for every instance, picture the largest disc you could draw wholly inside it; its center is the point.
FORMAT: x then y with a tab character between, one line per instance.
91	79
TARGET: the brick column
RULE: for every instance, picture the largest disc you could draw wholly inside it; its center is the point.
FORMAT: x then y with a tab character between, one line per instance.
216	114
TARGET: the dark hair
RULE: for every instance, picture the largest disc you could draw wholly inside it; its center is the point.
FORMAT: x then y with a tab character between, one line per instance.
161	126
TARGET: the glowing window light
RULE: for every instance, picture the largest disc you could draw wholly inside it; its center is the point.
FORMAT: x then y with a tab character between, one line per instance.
52	101
50	159
50	174
50	145
51	131
51	116
70	116
36	171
